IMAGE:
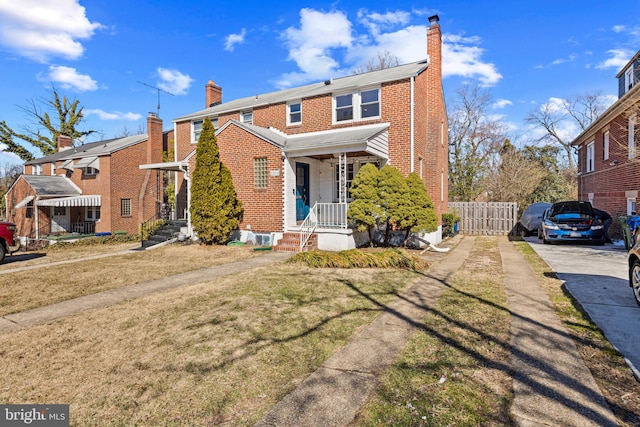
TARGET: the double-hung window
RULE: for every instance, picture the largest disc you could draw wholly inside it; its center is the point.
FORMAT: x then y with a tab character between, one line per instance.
357	106
92	213
632	136
196	129
591	151
628	79
294	113
246	117
605	148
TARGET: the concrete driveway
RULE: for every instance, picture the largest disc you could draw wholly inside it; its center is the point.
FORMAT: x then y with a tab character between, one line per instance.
597	276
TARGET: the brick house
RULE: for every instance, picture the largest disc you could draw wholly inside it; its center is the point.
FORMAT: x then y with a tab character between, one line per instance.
608	156
293	153
92	188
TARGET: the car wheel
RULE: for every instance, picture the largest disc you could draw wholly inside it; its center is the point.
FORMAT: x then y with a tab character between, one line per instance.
2	252
540	235
634	277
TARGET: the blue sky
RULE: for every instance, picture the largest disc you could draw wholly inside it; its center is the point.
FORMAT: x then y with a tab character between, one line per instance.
526	53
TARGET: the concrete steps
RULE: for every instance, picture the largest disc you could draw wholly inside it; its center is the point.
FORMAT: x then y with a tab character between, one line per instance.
290	242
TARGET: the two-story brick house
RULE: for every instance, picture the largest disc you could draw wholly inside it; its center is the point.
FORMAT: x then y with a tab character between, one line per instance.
92	188
608	155
293	153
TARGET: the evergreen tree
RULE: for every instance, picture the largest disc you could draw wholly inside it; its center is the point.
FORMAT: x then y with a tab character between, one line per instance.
365	208
215	209
394	199
421	216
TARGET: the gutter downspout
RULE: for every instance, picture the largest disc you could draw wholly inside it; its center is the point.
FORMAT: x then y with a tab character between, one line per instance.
35	207
411	123
188	213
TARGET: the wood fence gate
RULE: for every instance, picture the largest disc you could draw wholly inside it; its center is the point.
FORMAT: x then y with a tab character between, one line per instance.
486	218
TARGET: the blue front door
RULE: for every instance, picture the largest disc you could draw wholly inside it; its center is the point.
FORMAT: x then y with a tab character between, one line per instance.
302	191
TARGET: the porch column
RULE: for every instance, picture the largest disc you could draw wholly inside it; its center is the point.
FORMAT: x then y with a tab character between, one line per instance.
342	174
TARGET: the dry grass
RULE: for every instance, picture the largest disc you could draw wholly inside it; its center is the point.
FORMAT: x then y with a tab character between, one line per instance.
454	371
617	383
35	288
223	351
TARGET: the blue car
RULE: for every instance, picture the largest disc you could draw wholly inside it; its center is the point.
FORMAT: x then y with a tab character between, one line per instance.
572	221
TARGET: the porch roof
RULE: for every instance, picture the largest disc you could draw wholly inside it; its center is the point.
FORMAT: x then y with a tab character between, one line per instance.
167	166
371	139
87	200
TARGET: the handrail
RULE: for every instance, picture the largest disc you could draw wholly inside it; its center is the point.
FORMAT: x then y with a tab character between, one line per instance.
308	226
148	227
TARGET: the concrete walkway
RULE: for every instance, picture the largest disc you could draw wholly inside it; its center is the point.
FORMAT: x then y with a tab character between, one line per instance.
49	313
551	384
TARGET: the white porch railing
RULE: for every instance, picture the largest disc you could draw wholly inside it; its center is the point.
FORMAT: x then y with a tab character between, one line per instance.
323	215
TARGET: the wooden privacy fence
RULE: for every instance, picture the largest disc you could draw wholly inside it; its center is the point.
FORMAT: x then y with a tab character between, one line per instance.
486	218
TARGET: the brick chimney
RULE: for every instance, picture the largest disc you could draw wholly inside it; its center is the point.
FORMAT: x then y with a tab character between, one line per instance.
434	48
64	142
213	94
154	141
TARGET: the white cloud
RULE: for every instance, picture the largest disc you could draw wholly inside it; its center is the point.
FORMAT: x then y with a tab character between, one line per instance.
618	59
173	81
501	103
327	45
311	45
233	39
69	78
41	29
116	115
461	57
618	28
570	58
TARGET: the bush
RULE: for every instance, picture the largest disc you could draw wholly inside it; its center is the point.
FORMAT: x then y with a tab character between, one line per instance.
356	258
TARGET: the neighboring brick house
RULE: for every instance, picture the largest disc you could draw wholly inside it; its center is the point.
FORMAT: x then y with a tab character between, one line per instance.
92	188
608	154
296	151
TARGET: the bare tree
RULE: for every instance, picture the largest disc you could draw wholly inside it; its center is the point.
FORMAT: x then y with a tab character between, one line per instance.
125	131
513	177
67	117
384	60
554	117
473	138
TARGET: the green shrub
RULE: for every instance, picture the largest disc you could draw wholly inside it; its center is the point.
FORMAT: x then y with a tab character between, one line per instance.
356	258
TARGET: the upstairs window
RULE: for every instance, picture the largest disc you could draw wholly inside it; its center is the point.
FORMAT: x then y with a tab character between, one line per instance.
89	171
294	113
246	117
344	107
53	168
37	169
591	151
196	129
369	103
629	81
632	136
357	106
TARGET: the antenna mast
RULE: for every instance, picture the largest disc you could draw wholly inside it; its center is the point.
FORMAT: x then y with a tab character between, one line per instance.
159	90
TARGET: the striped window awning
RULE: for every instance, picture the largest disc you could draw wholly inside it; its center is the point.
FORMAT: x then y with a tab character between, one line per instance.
88	162
72	201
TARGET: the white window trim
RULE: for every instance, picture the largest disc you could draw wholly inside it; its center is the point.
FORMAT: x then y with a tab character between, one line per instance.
242	117
605	148
194	140
628	79
356	106
289	122
591	154
37	169
631	206
631	137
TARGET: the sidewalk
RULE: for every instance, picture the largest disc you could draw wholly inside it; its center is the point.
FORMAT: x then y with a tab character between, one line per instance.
36	316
